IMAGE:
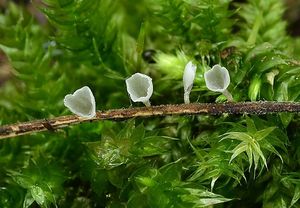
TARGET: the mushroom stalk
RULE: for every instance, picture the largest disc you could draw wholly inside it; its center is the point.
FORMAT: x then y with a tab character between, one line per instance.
228	95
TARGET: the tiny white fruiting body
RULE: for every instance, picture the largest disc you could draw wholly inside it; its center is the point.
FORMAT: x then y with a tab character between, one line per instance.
140	88
217	79
81	102
188	80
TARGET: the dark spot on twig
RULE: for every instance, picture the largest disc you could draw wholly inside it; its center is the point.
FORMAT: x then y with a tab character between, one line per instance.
48	125
5	130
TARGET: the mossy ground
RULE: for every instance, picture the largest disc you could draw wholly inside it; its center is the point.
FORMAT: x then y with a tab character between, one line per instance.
176	161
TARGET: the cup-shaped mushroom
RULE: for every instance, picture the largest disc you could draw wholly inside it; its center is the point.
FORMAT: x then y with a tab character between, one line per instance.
81	102
188	80
140	88
217	79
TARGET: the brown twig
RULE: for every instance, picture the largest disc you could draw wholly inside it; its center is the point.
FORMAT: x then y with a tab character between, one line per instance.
13	130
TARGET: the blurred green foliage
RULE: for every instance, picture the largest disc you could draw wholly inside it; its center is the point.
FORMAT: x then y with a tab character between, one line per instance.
187	161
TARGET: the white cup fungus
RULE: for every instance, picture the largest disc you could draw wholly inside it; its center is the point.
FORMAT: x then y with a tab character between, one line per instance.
140	88
217	79
81	102
188	80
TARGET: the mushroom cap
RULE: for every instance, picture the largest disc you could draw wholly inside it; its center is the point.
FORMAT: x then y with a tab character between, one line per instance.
81	102
139	87
189	76
217	79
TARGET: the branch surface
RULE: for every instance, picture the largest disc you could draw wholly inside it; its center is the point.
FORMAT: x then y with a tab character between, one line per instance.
53	124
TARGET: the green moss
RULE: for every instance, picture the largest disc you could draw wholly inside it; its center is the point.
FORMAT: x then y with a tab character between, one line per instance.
187	161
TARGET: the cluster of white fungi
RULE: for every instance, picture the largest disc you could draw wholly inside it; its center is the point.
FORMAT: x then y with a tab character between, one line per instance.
140	88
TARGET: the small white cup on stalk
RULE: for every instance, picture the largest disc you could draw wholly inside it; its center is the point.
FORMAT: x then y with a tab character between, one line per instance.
81	102
217	79
188	80
140	88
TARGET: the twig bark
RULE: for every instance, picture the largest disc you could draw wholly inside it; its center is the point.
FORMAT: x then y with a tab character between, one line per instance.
29	127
